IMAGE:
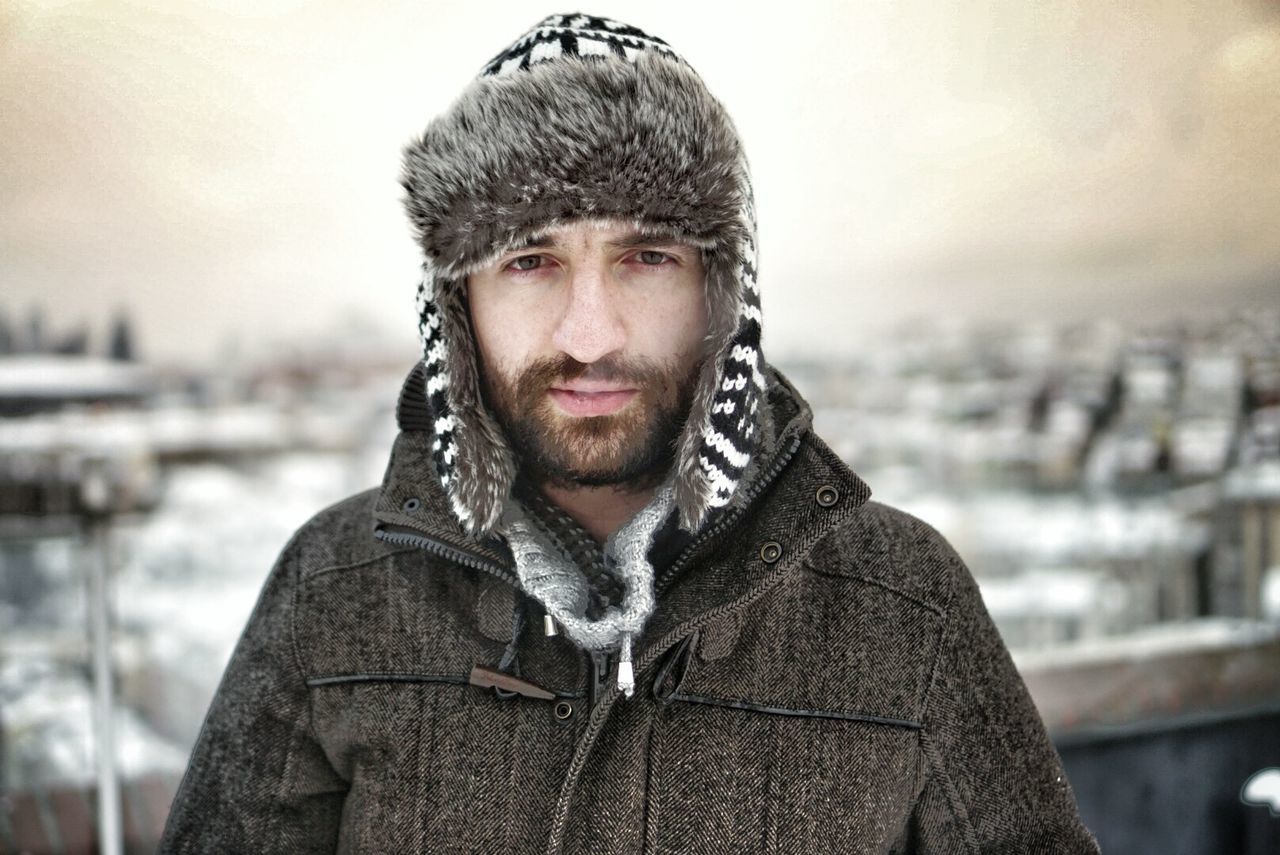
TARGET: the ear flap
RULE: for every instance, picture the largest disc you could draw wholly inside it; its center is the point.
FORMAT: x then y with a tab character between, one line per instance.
727	424
471	454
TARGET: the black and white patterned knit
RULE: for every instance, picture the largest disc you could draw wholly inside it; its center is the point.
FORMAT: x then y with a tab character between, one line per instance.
574	35
444	448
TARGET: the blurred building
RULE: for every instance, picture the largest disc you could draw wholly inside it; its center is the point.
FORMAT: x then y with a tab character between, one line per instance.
1115	492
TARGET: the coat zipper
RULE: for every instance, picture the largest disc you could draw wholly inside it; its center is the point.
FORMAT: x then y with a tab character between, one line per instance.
601	667
596	720
404	536
760	485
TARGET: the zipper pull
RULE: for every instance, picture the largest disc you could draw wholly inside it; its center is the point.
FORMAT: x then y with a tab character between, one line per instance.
626	677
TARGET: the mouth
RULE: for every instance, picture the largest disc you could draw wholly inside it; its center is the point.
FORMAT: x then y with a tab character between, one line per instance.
585	401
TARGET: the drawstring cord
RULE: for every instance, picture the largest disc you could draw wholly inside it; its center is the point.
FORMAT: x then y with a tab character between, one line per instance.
510	661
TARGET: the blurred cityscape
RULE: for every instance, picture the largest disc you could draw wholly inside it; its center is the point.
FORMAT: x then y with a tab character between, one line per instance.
1115	490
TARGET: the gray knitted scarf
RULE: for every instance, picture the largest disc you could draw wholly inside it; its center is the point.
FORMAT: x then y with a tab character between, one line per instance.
552	577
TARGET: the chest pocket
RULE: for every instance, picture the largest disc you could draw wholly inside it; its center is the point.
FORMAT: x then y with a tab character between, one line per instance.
388	648
791	736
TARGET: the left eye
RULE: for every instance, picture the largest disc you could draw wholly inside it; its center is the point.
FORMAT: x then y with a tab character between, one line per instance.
652	257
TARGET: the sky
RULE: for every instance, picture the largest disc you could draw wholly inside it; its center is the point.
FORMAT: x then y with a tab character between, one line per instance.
230	169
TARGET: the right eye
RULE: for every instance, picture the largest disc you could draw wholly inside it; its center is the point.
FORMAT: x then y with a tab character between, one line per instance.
526	262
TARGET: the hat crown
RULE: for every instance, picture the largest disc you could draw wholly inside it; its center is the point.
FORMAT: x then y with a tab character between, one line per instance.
574	35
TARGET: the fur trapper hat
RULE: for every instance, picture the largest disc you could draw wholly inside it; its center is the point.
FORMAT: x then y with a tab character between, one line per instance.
585	118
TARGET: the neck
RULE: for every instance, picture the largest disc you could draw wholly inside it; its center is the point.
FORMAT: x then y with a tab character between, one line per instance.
599	510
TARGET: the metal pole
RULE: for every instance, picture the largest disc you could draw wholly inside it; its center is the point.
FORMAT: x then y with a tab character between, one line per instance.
110	830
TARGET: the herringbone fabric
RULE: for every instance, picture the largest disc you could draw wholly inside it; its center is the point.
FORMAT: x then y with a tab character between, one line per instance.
845	692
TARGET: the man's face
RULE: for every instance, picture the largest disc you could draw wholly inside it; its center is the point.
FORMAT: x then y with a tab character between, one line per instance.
591	340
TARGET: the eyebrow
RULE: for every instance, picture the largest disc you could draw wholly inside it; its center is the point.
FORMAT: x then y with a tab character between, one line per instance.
628	241
644	239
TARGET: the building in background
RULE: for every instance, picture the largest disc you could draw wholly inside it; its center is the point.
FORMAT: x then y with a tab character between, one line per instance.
1115	491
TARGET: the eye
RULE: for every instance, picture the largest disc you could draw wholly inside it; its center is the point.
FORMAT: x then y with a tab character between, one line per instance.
652	257
526	262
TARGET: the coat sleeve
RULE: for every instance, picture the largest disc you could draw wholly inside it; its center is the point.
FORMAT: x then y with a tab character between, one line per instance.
257	780
992	780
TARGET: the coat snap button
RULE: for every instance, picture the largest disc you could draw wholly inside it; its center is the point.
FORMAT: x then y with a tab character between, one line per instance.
771	552
827	495
564	710
411	505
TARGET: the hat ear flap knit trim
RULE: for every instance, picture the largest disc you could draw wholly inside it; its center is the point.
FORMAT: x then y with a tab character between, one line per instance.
473	459
727	423
705	479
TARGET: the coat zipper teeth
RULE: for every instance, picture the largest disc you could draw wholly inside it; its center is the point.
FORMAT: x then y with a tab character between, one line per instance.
455	555
758	488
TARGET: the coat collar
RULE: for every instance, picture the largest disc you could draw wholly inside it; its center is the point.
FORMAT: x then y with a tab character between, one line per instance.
813	494
411	499
780	517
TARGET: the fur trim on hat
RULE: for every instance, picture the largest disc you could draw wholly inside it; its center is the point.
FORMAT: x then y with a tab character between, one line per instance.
585	119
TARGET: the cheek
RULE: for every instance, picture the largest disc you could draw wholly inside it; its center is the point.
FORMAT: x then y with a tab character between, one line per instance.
505	331
678	325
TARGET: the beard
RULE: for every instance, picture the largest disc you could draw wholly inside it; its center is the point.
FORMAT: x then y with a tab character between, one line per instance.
633	448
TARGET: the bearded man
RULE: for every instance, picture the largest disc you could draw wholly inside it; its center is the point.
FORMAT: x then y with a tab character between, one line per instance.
613	594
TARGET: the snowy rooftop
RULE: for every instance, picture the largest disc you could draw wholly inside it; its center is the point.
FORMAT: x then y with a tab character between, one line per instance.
1159	640
1163	674
185	429
1260	481
56	377
1053	530
1050	592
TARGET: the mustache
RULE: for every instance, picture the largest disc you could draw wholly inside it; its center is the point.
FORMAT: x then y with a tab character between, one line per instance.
545	373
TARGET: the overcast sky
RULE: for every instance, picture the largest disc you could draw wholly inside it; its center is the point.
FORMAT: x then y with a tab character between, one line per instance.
232	165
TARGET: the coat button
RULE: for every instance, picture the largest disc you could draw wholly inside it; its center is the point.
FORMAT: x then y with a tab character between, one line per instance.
827	495
771	552
564	710
411	505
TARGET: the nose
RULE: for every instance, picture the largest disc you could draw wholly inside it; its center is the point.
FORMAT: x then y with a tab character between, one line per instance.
590	327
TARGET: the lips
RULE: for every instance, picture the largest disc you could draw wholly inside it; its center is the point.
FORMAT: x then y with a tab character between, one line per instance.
583	403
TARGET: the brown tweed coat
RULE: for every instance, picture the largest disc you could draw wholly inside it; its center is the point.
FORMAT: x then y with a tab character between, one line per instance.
820	676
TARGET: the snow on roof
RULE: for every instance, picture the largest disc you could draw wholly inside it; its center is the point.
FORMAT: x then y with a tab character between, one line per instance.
1052	530
1153	641
234	427
56	376
1059	593
1160	674
1259	481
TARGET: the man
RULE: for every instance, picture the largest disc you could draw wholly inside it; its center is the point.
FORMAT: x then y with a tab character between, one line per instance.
613	595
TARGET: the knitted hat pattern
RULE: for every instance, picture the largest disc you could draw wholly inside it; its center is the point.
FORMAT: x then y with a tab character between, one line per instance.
585	118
